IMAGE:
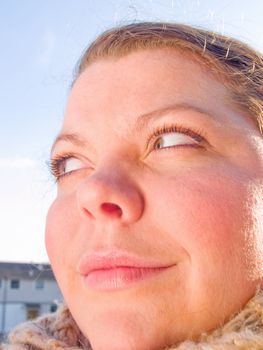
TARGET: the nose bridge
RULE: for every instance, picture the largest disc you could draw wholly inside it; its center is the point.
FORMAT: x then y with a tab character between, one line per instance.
113	174
110	193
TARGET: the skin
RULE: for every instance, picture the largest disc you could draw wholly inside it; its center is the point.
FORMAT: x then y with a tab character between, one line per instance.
197	208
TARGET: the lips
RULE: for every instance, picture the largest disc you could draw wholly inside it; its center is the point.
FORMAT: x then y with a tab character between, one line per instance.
115	270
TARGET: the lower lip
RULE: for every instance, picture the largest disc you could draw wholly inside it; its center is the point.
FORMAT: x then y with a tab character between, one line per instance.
119	277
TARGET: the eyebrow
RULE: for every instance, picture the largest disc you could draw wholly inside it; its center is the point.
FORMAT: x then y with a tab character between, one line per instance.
140	124
144	119
74	138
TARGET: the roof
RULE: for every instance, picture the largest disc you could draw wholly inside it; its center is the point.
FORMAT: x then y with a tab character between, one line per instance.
26	271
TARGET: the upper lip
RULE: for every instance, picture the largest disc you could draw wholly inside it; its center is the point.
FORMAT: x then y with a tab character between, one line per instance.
98	261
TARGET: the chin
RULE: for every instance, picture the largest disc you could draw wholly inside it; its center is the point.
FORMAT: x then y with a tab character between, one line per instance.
124	336
125	326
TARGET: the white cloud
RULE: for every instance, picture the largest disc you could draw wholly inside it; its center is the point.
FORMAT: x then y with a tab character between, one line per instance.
26	195
17	163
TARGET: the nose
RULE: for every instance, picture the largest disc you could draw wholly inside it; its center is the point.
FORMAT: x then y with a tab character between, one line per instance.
110	195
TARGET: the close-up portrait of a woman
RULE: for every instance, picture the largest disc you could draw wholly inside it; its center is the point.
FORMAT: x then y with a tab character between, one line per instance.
155	235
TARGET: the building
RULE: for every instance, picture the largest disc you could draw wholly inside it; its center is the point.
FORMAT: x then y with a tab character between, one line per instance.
26	291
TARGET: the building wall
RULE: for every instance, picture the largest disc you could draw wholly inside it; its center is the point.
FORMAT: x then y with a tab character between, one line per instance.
14	314
28	291
29	300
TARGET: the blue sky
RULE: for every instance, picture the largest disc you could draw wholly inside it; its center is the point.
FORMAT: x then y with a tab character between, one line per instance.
41	41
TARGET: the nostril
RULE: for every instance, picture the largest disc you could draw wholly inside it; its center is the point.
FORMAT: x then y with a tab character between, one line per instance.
112	208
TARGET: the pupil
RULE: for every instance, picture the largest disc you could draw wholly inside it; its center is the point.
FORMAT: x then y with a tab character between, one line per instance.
159	144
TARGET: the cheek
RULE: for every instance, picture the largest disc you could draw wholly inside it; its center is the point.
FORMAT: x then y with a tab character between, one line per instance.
57	225
61	226
207	214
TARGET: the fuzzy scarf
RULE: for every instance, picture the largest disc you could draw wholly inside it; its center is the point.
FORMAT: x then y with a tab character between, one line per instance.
59	332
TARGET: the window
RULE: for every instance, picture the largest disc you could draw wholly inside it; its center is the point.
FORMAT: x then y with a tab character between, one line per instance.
32	311
14	284
53	307
39	284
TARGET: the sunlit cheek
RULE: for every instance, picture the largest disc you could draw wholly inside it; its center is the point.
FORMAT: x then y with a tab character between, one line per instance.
60	230
233	236
208	212
253	232
51	232
60	225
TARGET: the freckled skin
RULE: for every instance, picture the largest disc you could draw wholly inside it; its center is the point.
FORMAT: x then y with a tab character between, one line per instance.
191	207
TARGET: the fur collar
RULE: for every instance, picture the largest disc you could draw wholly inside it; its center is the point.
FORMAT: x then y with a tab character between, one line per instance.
59	332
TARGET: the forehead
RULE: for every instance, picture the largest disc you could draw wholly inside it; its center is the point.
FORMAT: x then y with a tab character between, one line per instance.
146	66
115	90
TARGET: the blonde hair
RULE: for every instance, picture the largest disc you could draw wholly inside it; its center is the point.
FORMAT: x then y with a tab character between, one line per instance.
236	64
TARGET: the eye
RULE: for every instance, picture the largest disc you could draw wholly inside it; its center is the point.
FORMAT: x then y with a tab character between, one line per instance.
64	165
175	136
173	139
71	164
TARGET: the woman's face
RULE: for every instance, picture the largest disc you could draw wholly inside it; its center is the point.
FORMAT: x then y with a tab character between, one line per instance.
156	232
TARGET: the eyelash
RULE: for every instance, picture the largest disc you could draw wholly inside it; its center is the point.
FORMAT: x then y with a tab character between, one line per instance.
166	129
56	162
